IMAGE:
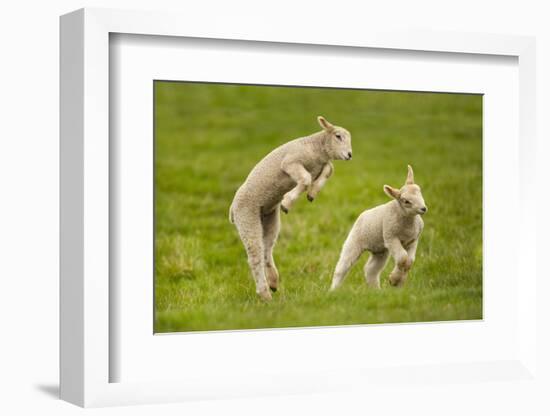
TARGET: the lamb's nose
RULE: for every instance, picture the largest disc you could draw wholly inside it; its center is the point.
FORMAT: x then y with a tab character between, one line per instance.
349	155
423	209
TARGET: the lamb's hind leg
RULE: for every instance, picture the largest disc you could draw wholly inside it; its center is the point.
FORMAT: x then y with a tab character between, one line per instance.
373	267
271	226
249	225
351	251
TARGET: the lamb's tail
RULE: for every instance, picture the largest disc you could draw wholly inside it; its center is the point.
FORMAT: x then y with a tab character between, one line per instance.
231	218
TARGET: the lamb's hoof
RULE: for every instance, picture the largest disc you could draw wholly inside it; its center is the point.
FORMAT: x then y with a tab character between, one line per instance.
265	295
272	277
405	264
396	281
310	198
284	209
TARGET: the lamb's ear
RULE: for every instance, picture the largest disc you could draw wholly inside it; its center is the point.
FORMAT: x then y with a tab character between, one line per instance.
410	175
392	192
325	124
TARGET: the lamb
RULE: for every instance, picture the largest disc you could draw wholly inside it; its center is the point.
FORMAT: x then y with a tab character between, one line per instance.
389	229
274	184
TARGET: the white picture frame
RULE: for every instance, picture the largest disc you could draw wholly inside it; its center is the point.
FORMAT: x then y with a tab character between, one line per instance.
86	355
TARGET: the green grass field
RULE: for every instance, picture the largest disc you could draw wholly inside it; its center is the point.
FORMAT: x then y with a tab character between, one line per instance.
208	138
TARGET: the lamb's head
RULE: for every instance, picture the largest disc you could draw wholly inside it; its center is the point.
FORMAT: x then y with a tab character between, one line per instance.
409	196
338	143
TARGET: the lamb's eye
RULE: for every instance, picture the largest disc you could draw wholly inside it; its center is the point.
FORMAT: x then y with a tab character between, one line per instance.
338	136
407	202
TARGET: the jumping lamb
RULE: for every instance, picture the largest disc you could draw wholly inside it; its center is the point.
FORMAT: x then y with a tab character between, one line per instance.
389	229
275	183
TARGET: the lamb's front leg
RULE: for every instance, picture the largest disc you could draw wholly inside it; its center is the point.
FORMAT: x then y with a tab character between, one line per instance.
411	251
402	262
303	181
401	270
319	182
373	267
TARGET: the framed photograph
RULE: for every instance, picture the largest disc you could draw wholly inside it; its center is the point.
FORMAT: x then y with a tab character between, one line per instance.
277	212
209	136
